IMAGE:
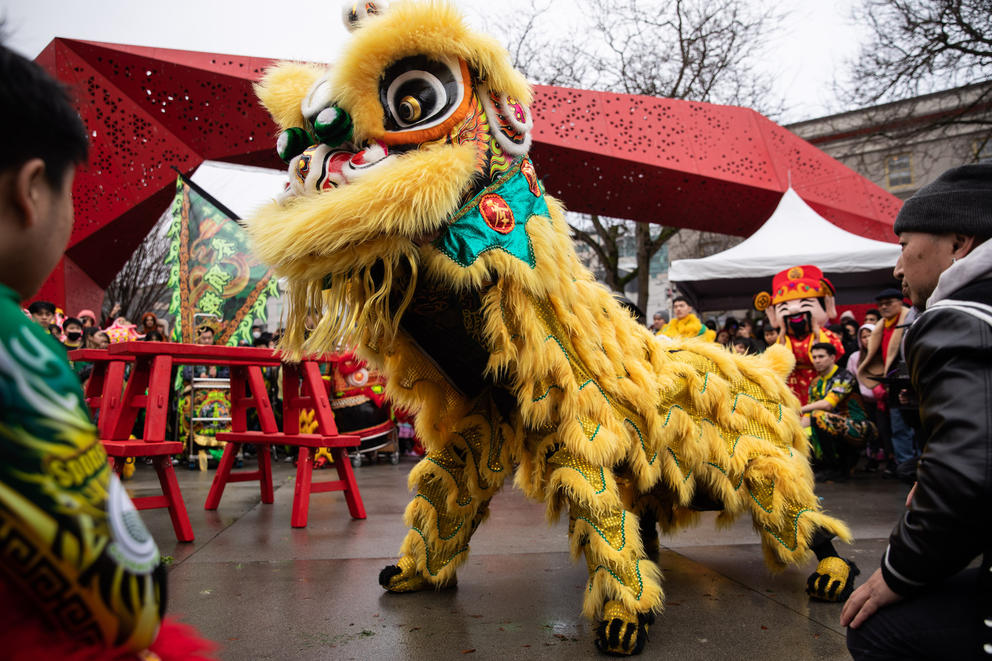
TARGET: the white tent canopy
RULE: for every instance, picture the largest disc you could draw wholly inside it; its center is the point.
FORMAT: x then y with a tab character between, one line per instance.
794	235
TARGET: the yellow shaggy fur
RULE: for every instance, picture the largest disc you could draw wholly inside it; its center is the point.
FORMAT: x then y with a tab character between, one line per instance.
606	425
281	89
411	28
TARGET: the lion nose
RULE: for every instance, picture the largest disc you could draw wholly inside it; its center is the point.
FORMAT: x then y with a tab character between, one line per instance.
333	126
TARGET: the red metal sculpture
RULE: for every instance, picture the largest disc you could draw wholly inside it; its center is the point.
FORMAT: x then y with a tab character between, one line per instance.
680	163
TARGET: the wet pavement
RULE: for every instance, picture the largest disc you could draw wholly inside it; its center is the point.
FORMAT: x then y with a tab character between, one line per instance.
263	590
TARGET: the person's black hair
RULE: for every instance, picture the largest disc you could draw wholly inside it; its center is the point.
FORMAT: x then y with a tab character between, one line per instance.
682	298
825	346
741	342
71	320
90	331
54	329
40	306
711	324
874	311
847	322
154	336
731	321
262	340
39	119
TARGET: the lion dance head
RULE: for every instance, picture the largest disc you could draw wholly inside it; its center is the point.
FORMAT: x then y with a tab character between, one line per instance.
418	117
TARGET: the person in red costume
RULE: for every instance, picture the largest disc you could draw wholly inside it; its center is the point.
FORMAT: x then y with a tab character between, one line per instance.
801	303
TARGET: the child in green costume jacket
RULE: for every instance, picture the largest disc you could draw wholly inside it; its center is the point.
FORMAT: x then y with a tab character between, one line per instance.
80	575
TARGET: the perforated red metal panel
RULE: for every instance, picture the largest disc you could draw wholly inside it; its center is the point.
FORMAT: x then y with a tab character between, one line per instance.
689	164
680	163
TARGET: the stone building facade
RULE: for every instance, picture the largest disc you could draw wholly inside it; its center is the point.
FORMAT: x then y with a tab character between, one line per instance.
904	145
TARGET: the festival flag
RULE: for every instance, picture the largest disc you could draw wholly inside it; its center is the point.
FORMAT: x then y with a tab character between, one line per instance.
213	271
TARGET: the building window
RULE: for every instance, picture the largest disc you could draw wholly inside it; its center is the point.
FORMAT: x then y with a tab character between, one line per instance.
983	150
899	170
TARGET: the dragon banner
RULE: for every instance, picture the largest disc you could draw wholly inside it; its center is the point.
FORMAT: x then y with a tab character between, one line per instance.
213	271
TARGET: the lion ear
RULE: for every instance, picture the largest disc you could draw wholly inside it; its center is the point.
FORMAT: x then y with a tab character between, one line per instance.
510	119
283	89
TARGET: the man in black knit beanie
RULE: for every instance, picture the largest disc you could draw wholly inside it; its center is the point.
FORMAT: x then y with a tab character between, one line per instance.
924	602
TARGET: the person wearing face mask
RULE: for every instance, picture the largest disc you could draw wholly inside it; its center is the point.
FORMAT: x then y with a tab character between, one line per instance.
72	338
72	328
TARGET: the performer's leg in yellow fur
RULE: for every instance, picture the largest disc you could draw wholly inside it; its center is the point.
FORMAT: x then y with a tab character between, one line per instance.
623	589
790	524
454	485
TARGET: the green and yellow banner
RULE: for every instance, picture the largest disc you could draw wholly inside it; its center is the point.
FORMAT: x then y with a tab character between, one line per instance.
214	276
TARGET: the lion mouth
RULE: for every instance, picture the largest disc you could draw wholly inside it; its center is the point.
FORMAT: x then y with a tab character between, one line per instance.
321	168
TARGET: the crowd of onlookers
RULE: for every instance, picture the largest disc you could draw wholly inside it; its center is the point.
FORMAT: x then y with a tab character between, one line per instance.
891	447
745	336
83	331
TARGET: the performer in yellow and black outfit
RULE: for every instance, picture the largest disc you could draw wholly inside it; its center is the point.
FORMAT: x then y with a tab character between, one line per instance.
686	324
416	222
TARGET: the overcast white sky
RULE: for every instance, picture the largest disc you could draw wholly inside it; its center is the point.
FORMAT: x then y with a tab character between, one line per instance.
805	57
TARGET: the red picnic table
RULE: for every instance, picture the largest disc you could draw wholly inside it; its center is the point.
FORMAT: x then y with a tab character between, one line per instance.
148	387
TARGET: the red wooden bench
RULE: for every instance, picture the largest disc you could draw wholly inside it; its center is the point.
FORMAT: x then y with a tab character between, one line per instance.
153	363
104	393
302	389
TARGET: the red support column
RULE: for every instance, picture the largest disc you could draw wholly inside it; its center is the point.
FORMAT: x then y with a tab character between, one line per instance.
301	494
174	497
157	406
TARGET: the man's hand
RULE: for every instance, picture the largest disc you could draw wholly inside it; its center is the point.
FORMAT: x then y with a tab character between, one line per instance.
909	498
866	600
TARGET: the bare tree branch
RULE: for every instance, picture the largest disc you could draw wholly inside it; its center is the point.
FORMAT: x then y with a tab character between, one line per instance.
142	282
702	50
920	46
924	76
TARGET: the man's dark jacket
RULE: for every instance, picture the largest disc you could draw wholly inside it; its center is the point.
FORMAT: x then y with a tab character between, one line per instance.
949	522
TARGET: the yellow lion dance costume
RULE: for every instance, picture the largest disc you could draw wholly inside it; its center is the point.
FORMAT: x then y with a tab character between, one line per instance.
415	228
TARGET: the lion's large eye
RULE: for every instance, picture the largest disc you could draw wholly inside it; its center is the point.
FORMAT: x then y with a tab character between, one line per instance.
420	92
410	110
